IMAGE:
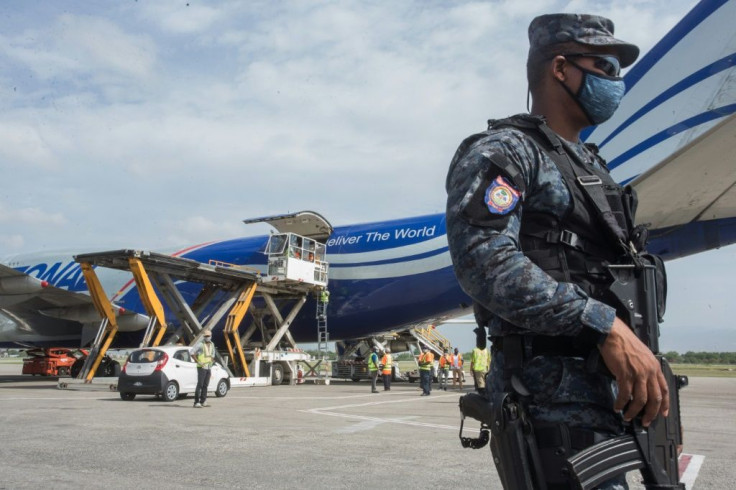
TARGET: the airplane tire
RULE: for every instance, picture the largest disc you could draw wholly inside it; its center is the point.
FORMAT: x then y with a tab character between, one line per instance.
277	374
109	368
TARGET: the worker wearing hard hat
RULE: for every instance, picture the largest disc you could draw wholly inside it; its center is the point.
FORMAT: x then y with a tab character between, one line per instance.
204	356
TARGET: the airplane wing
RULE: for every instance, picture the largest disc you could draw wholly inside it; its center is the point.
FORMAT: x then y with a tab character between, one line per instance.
32	311
20	290
696	183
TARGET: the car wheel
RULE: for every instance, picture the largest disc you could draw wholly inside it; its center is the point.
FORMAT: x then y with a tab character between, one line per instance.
277	374
171	391
221	388
127	396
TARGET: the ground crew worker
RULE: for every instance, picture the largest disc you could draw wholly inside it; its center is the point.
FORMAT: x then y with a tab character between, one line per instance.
426	363
387	363
457	369
204	356
530	236
480	364
445	364
324	296
373	368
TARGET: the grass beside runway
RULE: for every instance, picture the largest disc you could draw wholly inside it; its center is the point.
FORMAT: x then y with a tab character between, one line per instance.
694	370
705	370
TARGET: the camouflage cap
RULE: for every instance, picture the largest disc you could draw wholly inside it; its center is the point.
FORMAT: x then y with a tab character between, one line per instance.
588	30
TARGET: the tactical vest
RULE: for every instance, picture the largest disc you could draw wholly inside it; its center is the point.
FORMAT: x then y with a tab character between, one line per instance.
598	225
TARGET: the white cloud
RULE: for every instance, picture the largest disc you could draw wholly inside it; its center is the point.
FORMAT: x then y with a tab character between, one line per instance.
182	17
12	243
22	144
30	216
77	48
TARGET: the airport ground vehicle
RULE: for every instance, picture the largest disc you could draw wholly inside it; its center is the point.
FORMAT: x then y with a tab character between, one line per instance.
168	372
52	361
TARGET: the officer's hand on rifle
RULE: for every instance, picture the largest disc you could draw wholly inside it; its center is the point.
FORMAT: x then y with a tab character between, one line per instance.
638	374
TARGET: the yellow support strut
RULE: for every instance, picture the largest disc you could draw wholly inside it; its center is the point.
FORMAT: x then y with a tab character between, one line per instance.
104	307
234	318
150	301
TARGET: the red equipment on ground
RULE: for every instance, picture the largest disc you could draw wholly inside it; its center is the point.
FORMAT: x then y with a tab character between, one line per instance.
53	361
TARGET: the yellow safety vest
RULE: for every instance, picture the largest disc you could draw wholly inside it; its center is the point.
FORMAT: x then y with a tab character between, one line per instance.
372	364
205	355
387	362
480	360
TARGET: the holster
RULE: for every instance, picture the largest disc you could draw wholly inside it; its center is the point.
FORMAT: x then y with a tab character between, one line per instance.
513	445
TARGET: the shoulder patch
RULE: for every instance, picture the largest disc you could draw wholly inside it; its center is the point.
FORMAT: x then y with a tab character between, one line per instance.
501	197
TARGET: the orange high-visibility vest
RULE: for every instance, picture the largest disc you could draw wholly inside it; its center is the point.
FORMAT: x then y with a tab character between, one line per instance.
425	361
446	361
387	362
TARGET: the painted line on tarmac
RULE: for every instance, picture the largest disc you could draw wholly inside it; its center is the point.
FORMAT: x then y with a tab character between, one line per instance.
410	398
381	420
689	466
346	397
330	411
341	397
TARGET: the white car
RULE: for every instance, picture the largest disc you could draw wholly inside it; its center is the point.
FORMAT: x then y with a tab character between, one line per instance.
168	372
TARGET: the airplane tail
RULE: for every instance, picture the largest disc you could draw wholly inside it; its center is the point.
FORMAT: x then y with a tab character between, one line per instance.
673	135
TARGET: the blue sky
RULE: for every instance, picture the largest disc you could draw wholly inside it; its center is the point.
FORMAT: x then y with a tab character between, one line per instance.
154	124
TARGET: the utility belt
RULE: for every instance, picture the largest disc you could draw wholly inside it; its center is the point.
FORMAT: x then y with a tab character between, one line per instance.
542	345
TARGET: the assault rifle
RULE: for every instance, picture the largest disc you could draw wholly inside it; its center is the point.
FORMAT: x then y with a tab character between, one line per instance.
637	293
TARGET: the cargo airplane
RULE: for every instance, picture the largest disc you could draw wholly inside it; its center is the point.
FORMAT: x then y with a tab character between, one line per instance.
673	138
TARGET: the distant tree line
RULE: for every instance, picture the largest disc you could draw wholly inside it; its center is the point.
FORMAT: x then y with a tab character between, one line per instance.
701	357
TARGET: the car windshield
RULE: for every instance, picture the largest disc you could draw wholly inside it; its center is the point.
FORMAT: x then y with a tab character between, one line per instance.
145	355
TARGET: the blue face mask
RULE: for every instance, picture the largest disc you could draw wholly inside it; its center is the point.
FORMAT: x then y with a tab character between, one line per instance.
599	95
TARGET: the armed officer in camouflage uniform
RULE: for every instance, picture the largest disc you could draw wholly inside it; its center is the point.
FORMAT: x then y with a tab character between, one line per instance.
530	247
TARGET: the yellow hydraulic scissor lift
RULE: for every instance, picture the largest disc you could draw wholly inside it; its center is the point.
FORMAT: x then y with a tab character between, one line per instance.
223	286
225	290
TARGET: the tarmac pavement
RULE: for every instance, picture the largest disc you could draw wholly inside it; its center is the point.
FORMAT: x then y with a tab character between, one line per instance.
306	436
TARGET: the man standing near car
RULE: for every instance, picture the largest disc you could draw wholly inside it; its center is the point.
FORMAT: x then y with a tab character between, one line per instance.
204	356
